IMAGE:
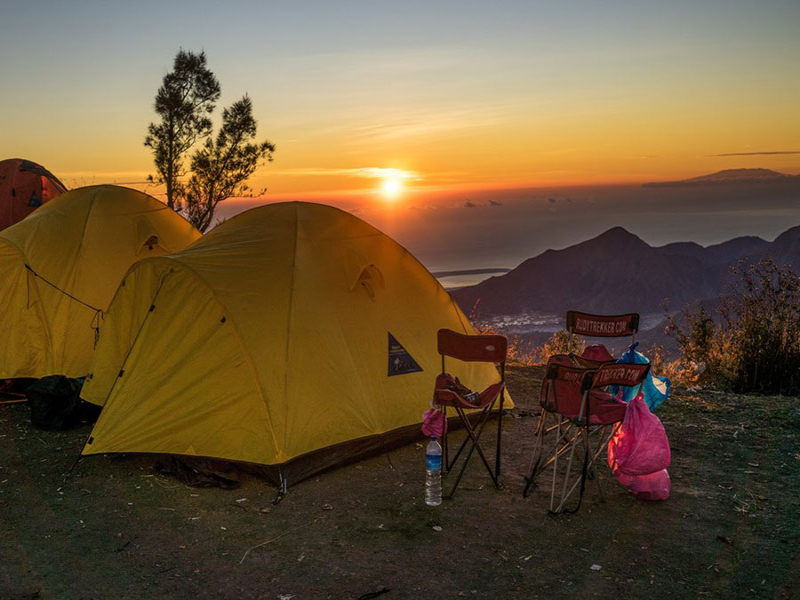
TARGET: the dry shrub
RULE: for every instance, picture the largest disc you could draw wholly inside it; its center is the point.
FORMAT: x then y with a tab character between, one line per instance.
657	358
681	373
705	351
754	345
674	370
561	342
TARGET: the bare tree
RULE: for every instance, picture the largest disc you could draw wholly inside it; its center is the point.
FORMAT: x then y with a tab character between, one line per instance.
184	102
222	165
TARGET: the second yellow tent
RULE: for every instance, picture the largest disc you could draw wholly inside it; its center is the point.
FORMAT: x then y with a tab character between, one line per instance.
59	269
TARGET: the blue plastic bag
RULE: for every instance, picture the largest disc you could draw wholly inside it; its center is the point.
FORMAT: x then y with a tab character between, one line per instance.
654	390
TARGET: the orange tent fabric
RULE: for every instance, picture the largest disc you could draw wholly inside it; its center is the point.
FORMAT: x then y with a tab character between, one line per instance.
24	187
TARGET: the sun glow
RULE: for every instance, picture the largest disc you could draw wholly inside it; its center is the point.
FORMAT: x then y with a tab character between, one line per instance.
391	189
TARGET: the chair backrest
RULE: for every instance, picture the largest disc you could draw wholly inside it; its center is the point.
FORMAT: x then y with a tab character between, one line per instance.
472	348
623	374
564	386
578	376
579	323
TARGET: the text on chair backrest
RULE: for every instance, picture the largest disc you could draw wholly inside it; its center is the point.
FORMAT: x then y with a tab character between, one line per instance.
602	325
625	374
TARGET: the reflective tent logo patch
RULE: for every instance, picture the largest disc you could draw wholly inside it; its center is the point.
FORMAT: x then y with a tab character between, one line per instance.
400	361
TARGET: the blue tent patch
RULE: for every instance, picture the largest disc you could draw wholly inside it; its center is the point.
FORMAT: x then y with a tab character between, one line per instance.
400	361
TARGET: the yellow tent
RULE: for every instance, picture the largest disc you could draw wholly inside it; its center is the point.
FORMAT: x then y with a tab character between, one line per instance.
59	269
287	329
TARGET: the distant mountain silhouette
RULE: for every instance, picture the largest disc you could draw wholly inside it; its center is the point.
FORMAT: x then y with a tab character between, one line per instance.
730	176
618	272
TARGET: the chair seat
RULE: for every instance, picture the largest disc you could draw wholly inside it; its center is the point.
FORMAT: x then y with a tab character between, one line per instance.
604	409
447	397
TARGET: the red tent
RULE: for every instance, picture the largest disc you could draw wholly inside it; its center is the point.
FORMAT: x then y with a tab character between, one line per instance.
24	186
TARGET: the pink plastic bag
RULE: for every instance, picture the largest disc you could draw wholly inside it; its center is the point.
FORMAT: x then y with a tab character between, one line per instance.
639	453
655	486
433	423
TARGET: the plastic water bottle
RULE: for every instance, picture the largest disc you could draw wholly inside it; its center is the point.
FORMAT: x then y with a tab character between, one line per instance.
433	475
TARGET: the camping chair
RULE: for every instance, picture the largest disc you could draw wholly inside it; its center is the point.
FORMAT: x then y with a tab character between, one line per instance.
584	413
588	325
470	348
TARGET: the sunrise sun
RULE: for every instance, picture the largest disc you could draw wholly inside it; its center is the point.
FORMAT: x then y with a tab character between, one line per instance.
391	188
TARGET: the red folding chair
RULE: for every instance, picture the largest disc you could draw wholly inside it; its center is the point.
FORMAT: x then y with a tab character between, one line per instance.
473	414
584	413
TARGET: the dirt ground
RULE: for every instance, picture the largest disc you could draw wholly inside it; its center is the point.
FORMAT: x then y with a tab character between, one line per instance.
119	529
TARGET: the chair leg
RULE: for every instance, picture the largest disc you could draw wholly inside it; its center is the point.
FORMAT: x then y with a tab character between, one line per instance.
607	433
476	446
562	438
564	493
537	453
445	445
452	462
460	473
473	435
447	462
499	434
567	489
555	463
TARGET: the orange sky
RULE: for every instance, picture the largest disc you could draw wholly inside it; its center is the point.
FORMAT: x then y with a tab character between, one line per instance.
512	94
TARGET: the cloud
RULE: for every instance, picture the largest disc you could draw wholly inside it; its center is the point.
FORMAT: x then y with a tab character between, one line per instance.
765	153
357	172
474	204
424	123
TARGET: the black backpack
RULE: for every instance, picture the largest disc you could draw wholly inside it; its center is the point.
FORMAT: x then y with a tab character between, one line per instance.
56	404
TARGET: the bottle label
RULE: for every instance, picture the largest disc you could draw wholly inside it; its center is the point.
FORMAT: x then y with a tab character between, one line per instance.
433	462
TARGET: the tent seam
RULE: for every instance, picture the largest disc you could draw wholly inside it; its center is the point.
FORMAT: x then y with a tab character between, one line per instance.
144	322
78	257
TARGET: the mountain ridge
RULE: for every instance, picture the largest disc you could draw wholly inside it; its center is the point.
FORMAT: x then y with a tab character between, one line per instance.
729	177
617	271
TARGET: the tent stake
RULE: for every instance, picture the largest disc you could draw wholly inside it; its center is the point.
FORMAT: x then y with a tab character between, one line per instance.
72	468
284	487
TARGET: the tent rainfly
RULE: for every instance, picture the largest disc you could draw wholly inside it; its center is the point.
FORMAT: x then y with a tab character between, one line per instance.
293	335
59	269
24	187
